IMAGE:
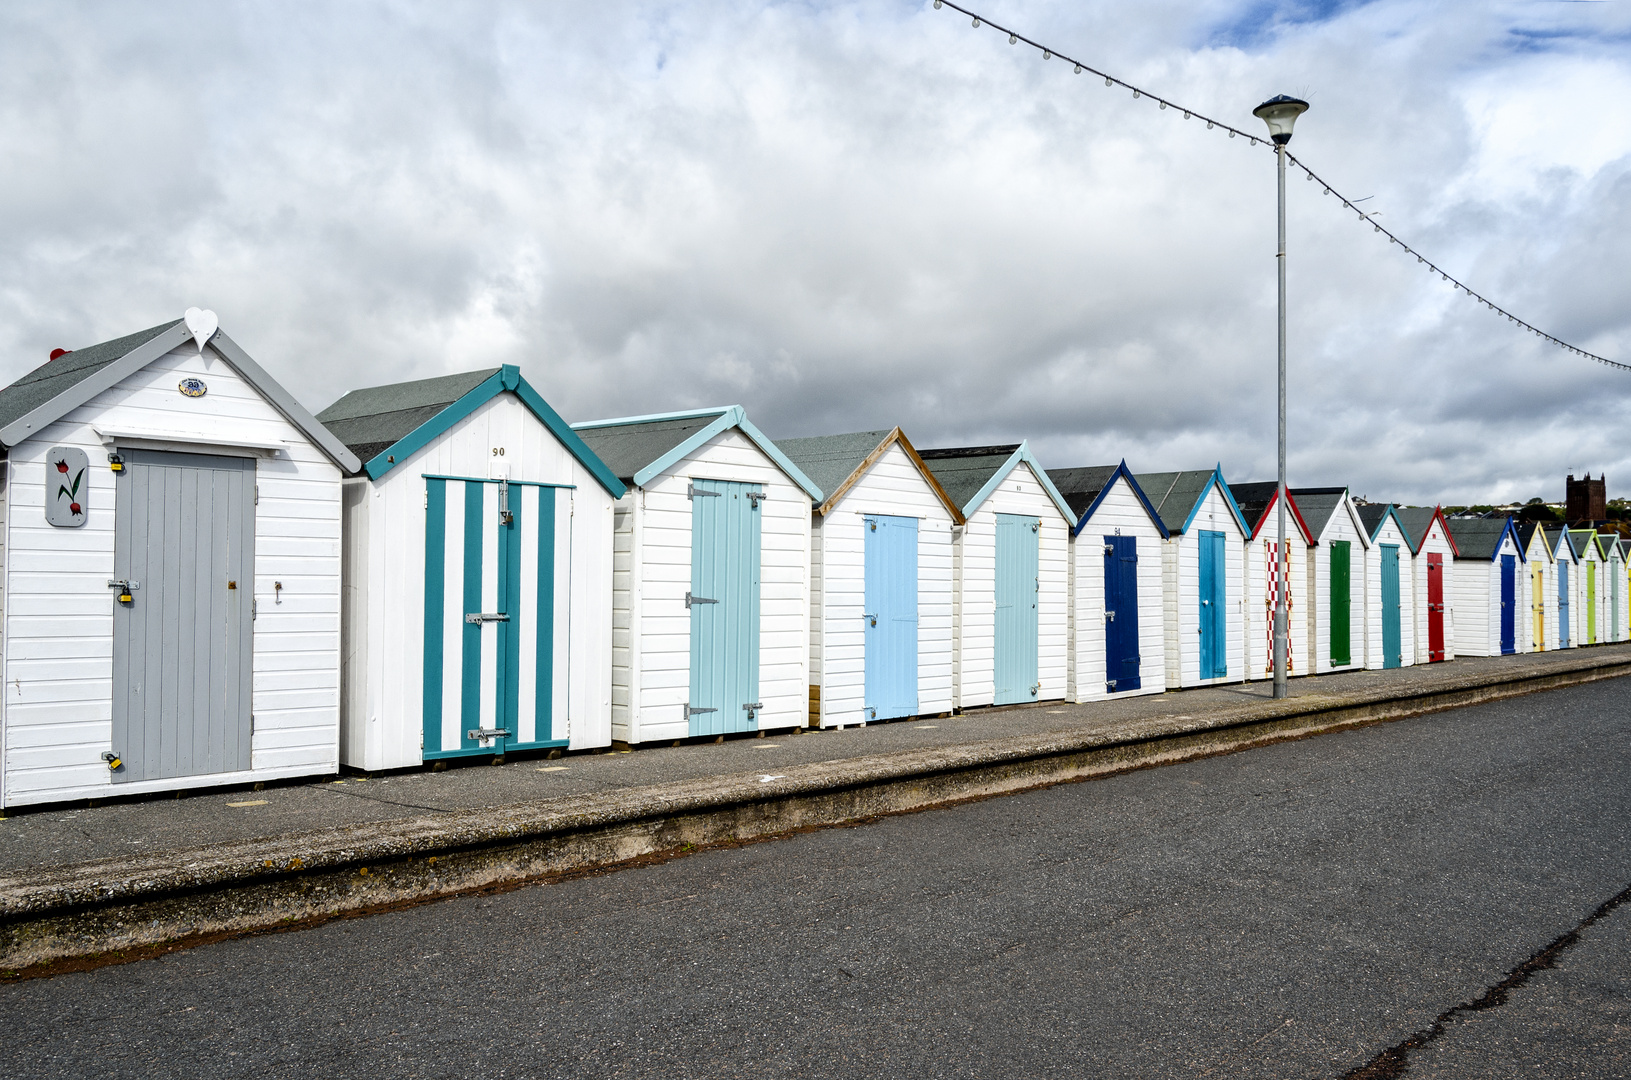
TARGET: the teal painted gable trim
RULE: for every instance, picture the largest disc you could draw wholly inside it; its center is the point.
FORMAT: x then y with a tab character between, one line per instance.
1217	481
507	378
1023	454
619	421
1389	513
732	417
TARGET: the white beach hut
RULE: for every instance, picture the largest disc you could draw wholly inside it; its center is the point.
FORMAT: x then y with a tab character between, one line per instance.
1203	565
710	576
1589	592
1336	588
1613	589
170	519
1012	569
1432	552
1537	608
1567	579
478	576
1257	504
1117	635
1485	579
881	586
1390	599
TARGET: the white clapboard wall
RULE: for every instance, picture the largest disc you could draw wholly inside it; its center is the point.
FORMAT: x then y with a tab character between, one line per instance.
1120	513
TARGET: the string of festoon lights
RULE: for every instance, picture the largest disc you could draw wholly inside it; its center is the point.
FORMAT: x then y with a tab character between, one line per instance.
1212	124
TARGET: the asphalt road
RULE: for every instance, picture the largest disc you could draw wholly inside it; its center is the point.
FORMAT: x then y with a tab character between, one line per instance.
1293	911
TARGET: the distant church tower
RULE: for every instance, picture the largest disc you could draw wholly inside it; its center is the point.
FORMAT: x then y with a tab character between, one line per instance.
1586	500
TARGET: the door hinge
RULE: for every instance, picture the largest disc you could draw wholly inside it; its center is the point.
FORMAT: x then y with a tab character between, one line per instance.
504	515
694	492
427	498
689	712
254	609
257	494
689	600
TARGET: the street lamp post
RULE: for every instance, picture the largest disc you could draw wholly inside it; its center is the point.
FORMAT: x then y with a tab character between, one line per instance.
1280	113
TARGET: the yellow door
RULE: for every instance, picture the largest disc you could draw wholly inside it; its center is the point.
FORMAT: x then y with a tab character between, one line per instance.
1537	579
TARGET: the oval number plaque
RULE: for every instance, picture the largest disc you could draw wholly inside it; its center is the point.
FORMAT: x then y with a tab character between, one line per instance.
193	387
67	486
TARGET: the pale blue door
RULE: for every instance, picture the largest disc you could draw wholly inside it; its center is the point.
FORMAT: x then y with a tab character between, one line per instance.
891	617
1563	604
724	605
1214	636
1017	589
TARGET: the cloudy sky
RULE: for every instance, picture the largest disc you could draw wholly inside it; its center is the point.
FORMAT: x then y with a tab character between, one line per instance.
853	215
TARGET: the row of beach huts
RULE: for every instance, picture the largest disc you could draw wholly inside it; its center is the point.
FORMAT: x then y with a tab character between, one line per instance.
203	583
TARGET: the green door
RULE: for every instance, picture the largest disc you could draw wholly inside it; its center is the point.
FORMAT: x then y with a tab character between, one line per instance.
1341	653
724	607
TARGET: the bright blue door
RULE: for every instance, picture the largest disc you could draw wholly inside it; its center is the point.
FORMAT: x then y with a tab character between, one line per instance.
1509	603
1392	650
1562	604
891	617
724	603
1214	638
1121	660
1016	629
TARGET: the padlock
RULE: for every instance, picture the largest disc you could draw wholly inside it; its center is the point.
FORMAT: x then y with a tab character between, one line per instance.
126	598
113	760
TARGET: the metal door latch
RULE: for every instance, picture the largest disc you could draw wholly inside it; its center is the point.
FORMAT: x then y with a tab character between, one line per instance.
689	600
752	709
1034	688
690	712
125	589
1109	615
482	734
112	759
756	497
692	492
486	617
1110	684
1109	549
872	620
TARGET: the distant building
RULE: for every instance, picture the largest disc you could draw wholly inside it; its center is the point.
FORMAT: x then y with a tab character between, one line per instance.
1586	499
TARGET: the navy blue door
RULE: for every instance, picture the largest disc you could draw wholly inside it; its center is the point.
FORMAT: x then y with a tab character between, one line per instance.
1121	660
1509	603
891	617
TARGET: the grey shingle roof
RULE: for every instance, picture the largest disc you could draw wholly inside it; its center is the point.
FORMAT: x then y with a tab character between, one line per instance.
829	460
1081	486
1371	516
1477	538
371	419
1317	506
53	377
1580	541
628	448
1253	500
1174	494
964	470
1416	521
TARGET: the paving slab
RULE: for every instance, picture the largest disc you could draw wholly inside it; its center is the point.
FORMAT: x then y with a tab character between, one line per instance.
73	833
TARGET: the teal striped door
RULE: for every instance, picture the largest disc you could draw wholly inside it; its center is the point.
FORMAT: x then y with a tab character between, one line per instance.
490	673
891	617
1392	647
1018	546
724	603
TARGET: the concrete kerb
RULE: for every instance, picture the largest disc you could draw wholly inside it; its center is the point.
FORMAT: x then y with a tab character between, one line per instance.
135	902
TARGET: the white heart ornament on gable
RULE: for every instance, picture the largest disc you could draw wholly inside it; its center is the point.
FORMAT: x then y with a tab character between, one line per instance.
203	325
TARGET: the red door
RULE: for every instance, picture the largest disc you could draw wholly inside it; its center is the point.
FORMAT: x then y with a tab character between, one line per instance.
1435	608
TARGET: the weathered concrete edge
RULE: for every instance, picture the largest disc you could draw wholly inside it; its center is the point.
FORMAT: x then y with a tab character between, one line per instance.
76	921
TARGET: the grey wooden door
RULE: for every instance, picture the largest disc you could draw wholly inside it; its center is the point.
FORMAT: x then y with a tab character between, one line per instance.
184	537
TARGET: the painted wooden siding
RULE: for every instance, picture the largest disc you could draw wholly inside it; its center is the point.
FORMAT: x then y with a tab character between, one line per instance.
1183	596
657	680
1537	555
1341	526
838	638
1120	513
1020	493
1434	543
384	712
58	635
1374	660
1259	617
1477	584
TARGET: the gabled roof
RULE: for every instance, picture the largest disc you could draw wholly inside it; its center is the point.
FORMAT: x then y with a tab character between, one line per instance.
1557	538
1321	504
1528	531
1607	544
1583	541
1417	522
1481	538
1177	496
383	425
1256	501
969	474
1084	489
836	462
54	389
638	449
1374	515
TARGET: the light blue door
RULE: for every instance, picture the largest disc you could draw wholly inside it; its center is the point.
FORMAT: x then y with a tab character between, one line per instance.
1563	604
724	605
1214	623
891	617
1017	589
1392	649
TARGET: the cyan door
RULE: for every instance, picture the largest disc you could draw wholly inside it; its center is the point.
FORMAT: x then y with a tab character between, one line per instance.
724	604
1018	547
489	670
1392	650
1509	604
1121	657
1214	639
1563	625
891	617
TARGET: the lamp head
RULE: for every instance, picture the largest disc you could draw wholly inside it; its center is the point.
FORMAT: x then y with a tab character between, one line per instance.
1280	113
